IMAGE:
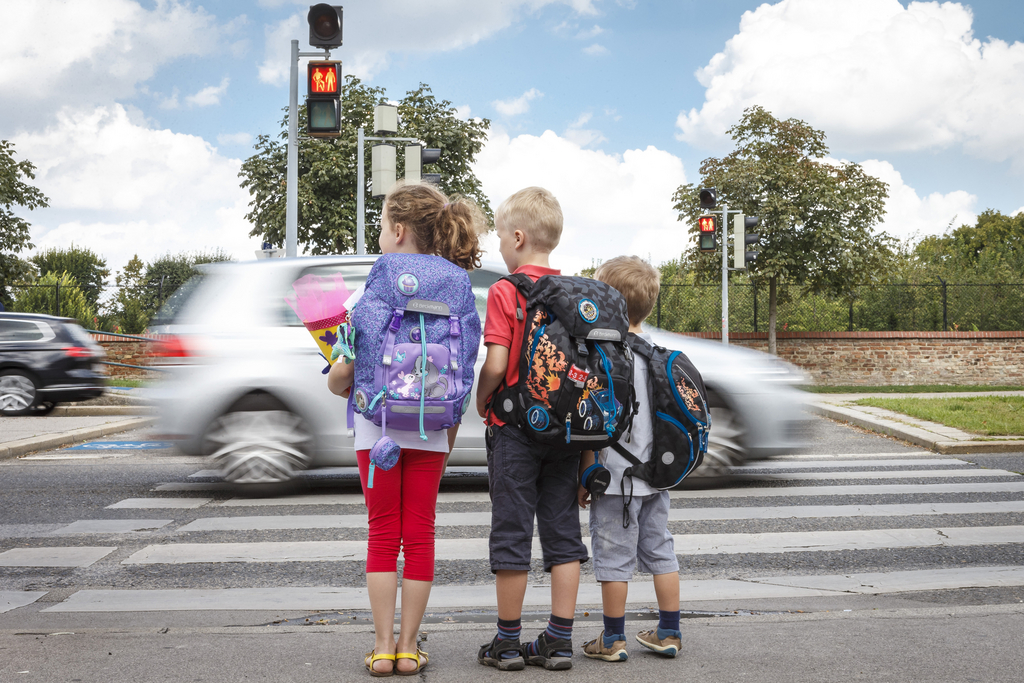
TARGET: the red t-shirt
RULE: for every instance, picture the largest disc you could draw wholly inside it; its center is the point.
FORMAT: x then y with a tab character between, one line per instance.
501	326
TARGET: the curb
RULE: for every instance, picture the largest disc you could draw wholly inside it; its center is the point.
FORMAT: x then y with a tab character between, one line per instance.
914	435
99	411
14	449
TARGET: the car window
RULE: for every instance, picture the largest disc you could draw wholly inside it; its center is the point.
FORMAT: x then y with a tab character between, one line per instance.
482	280
12	331
355	276
79	334
175	303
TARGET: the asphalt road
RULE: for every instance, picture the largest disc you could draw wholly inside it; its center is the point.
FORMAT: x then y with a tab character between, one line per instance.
866	559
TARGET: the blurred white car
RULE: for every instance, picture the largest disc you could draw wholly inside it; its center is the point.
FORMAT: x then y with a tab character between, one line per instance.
246	384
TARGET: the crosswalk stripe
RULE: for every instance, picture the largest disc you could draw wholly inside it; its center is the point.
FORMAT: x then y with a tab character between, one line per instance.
822	464
53	557
468	519
482	596
852	456
14	599
150	503
886	474
111	526
688	544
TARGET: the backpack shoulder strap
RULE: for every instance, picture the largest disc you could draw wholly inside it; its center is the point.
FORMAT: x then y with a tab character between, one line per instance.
523	285
621	450
640	346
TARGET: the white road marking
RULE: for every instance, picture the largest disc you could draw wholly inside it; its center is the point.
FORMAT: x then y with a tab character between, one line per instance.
268	523
157	503
807	464
851	456
886	474
482	596
87	455
111	526
53	557
14	599
853	490
689	544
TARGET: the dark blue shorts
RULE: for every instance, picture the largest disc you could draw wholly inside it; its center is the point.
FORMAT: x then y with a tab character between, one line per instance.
530	480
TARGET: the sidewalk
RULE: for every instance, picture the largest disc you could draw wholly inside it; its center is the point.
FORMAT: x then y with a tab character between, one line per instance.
22	435
930	435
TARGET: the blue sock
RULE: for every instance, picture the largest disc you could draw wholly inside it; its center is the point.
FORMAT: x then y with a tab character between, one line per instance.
614	629
509	629
558	627
668	623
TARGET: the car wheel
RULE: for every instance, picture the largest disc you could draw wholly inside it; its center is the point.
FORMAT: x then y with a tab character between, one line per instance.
17	393
725	447
259	445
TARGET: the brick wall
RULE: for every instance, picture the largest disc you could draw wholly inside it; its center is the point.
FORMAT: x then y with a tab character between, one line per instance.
893	358
128	352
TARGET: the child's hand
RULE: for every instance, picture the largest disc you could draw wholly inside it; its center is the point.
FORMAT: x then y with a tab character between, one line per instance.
481	406
582	497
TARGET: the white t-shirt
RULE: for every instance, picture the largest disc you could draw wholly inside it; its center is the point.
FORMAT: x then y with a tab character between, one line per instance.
367	433
641	435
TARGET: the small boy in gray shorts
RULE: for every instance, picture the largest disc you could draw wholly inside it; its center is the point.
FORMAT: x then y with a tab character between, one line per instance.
632	530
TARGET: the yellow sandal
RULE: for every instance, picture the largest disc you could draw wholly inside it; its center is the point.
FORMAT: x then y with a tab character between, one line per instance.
421	661
372	657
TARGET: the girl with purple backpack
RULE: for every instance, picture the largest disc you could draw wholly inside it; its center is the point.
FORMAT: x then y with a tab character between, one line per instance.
409	397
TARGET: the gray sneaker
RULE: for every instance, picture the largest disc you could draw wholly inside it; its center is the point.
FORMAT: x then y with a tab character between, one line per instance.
668	646
596	649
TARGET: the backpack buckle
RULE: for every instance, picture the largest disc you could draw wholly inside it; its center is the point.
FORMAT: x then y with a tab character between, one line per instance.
453	326
581	348
396	320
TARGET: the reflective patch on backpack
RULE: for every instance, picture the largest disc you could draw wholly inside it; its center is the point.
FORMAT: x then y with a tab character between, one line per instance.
588	310
537	417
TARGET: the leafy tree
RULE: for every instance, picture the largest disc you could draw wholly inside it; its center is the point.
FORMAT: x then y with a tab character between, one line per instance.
990	251
41	297
14	230
817	217
131	292
327	169
88	268
167	273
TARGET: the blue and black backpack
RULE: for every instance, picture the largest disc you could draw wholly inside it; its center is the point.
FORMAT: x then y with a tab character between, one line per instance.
679	412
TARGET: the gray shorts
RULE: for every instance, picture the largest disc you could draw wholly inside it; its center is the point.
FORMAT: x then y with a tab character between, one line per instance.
527	479
645	544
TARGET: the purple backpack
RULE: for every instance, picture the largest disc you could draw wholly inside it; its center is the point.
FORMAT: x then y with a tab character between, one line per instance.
417	335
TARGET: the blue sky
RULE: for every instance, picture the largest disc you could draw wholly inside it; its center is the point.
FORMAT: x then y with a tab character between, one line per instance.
148	108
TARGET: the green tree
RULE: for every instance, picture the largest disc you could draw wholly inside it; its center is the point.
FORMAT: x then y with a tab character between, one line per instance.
327	169
42	297
89	269
14	230
164	275
129	303
817	218
990	251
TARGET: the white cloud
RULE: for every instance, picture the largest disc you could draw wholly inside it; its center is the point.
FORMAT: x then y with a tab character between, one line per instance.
612	204
588	33
170	102
1020	210
209	95
424	27
115	184
911	216
234	138
113	46
584	137
462	112
595	50
517	105
873	74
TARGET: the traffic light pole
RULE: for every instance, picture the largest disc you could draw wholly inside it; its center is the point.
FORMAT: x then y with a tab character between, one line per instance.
291	210
725	274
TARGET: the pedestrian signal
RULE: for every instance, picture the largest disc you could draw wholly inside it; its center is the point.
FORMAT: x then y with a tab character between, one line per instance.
324	25
708	226
323	101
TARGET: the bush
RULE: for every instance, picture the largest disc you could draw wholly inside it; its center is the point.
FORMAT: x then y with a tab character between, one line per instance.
42	298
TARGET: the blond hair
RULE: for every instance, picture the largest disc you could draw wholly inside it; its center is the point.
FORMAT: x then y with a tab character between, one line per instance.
446	227
535	212
636	280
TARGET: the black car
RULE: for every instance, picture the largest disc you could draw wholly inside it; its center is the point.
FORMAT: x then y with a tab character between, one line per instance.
45	360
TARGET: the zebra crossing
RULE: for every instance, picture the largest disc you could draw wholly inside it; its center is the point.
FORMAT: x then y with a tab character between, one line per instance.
836	506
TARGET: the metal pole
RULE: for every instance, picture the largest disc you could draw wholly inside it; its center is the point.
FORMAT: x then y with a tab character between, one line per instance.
58	299
725	274
360	192
291	220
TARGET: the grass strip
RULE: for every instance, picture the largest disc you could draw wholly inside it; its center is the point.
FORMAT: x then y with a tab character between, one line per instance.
135	383
912	389
984	415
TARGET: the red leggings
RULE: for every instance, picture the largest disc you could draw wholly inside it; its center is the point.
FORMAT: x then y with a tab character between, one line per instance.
401	507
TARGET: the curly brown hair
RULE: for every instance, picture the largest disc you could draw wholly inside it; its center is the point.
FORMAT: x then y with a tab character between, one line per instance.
446	227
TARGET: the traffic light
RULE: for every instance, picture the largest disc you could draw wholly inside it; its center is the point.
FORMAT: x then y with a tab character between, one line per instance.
383	168
708	198
323	101
416	157
324	26
708	226
741	238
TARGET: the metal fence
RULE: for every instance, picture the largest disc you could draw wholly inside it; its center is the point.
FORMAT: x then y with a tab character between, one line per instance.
877	308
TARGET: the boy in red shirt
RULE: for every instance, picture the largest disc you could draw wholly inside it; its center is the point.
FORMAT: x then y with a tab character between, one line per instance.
527	479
